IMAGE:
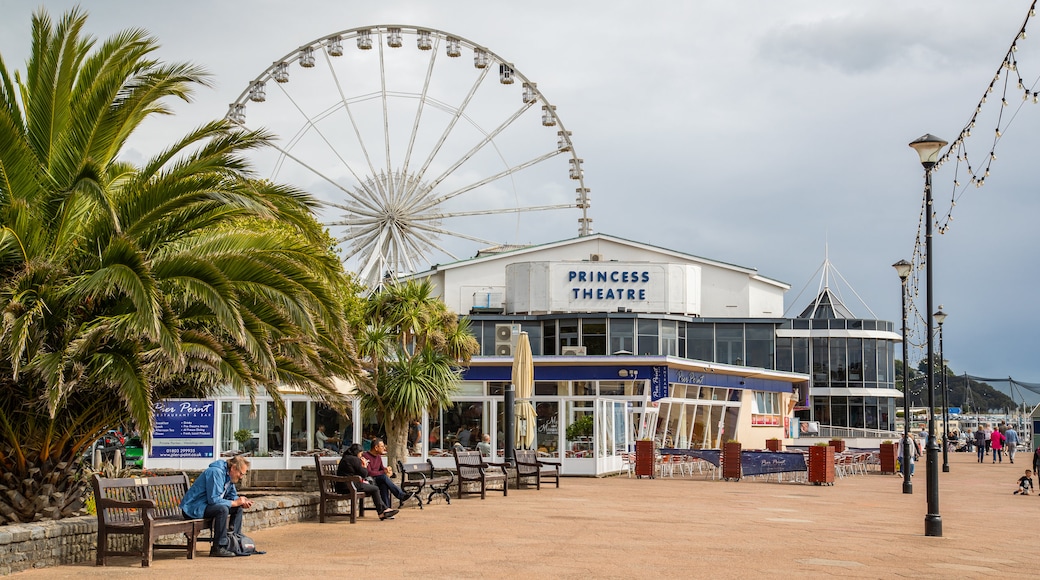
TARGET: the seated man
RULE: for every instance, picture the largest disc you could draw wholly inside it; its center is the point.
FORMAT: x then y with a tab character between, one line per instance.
484	447
353	463
381	475
213	495
323	441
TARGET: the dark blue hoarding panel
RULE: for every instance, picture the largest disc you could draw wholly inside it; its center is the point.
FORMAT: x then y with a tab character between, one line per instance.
762	462
184	428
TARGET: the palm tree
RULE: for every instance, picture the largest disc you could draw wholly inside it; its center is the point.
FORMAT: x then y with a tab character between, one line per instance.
122	285
412	348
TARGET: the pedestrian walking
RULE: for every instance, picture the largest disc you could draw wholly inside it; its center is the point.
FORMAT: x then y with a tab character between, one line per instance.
996	443
980	443
1011	442
908	442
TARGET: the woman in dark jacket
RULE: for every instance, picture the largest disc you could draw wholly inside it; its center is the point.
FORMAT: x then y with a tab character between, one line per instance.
353	464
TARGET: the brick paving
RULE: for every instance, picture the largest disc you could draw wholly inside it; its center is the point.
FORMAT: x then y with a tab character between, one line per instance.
620	527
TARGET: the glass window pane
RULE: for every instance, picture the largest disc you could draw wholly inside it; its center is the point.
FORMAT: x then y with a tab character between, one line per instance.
838	364
549	339
569	332
622	336
729	343
594	336
784	354
612	388
820	361
551	388
648	337
548	429
701	342
669	338
759	346
855	346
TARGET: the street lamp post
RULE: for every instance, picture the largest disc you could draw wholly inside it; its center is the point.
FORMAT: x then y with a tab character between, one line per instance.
940	316
903	269
928	147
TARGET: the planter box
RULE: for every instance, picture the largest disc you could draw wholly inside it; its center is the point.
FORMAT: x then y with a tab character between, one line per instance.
821	465
837	444
731	461
775	444
889	451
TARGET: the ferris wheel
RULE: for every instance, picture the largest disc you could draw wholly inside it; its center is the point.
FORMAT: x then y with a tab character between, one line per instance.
418	157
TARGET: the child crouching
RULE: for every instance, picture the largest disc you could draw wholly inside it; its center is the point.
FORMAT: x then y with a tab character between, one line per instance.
1025	483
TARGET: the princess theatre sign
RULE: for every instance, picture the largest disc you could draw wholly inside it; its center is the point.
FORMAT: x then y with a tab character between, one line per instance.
603	287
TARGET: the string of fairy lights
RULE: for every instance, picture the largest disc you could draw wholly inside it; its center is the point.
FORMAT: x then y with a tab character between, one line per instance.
970	169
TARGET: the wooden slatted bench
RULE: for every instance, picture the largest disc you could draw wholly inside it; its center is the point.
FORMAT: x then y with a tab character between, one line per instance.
471	468
528	466
416	477
143	506
327	479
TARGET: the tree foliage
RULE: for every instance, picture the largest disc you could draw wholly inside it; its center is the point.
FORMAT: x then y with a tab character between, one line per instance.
412	348
124	284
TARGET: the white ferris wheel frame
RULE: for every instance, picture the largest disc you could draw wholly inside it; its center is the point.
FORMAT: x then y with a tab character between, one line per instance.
401	248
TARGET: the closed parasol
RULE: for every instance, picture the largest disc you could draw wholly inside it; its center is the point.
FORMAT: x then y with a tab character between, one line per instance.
523	380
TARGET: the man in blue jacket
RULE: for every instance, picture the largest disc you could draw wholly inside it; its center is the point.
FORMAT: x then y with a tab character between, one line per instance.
213	495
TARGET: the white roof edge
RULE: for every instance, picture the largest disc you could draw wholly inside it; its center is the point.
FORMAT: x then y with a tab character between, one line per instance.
752	272
837	333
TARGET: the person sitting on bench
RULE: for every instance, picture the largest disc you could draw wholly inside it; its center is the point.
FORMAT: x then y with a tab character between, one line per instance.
353	463
213	496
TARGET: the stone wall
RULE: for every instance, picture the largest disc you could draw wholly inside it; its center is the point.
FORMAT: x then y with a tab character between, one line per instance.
73	540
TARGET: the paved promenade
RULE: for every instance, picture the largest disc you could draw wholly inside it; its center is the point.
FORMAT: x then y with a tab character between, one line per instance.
862	527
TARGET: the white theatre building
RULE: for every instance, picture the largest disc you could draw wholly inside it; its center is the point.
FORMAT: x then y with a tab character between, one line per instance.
649	342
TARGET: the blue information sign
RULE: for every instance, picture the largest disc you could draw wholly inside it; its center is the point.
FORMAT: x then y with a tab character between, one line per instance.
183	428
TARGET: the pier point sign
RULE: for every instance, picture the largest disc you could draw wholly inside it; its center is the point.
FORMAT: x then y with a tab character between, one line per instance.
183	428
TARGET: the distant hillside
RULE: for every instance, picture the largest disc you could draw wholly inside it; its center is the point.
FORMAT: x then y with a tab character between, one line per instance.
982	399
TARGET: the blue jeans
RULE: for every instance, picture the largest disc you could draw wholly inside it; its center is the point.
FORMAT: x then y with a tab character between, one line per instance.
982	452
387	488
998	455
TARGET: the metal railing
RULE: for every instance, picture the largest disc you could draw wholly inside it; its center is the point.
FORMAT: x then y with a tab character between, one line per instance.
856	433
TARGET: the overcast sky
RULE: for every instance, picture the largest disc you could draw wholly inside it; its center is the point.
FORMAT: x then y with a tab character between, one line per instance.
761	133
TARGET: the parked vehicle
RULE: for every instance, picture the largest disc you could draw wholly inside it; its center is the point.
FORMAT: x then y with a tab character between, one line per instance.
133	452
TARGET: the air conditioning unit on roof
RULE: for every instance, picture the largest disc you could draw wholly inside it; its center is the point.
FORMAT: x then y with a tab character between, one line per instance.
572	351
506	336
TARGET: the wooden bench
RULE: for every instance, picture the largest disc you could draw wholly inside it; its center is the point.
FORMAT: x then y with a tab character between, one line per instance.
327	479
471	468
528	466
142	506
415	477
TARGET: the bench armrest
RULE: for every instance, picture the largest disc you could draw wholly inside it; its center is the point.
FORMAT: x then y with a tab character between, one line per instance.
553	463
342	478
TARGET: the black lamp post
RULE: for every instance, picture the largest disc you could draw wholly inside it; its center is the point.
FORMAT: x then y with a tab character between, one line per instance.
903	269
928	147
940	316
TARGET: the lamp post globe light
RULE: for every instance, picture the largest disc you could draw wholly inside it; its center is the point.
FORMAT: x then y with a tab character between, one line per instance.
940	316
903	269
928	147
